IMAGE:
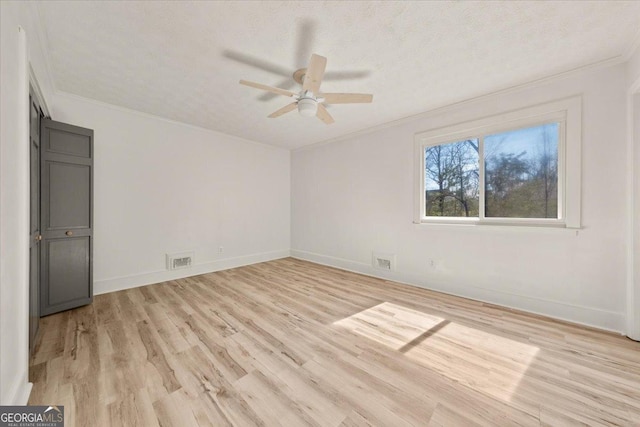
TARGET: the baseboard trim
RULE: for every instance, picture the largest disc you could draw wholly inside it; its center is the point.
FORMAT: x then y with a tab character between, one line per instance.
134	281
588	316
21	392
22	398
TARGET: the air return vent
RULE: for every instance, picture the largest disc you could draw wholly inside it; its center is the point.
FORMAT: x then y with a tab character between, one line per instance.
179	260
383	261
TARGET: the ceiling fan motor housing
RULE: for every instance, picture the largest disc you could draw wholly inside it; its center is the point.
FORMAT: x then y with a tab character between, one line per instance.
307	107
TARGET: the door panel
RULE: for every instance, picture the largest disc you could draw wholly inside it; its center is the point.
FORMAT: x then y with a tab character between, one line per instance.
66	217
69	195
68	270
63	142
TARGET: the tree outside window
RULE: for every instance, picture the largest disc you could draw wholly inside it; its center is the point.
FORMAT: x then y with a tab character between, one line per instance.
520	175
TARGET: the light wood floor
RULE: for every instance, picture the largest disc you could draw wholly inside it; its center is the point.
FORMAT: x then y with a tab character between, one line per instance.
294	343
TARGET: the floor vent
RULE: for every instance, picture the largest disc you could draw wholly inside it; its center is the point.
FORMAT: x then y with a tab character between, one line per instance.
179	260
384	261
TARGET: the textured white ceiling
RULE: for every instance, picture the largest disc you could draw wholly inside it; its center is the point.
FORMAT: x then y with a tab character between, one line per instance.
183	60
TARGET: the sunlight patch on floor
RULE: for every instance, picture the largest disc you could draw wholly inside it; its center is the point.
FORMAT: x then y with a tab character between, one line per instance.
482	360
390	324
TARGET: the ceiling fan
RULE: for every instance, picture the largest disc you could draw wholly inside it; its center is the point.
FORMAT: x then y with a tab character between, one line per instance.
310	101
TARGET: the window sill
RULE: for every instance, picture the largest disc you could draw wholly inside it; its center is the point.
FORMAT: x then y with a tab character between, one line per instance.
533	226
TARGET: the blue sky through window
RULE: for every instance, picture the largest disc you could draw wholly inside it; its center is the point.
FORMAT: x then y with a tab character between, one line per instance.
529	140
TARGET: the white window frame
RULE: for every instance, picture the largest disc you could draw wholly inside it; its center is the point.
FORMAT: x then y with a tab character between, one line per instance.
566	112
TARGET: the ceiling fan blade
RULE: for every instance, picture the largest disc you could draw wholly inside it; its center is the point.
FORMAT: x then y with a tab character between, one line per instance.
283	110
346	75
346	98
257	62
315	72
283	84
306	39
267	88
324	115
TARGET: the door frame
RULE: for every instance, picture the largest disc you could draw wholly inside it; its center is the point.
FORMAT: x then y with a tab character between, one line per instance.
34	234
33	81
37	93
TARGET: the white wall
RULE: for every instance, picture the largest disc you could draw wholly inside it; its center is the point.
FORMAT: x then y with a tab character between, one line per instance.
20	45
355	196
633	293
164	187
633	284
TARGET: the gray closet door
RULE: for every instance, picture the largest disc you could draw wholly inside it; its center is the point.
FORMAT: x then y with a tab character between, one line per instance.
66	216
34	218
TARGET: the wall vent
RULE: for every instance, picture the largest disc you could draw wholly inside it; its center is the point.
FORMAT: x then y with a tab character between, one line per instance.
179	260
383	261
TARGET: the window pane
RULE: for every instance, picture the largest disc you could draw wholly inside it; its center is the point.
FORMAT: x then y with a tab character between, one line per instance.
451	179
521	173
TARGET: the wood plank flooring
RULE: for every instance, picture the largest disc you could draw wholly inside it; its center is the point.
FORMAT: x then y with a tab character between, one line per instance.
293	343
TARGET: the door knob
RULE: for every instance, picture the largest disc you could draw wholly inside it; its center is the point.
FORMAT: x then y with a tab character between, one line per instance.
38	237
69	233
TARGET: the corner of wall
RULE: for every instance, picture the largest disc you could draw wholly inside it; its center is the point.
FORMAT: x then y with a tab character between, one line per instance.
633	220
20	394
23	58
39	59
121	283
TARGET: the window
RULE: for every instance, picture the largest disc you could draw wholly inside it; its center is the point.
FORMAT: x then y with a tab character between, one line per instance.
452	179
519	168
521	173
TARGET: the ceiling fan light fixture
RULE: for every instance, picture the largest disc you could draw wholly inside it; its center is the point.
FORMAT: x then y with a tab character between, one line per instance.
307	107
